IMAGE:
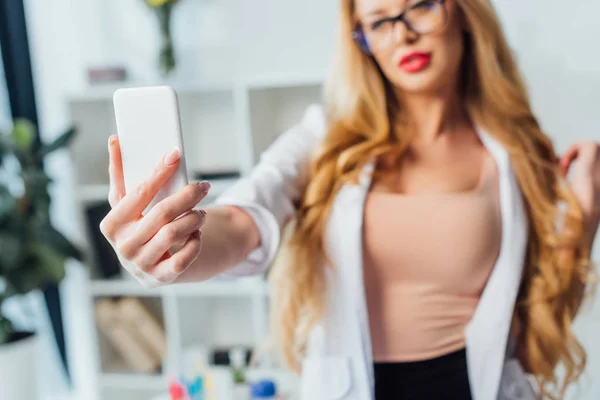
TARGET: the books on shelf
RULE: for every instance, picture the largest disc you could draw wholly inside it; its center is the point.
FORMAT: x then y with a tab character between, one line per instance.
143	325
134	333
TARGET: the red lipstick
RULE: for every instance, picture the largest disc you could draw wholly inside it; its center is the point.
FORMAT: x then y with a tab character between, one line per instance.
415	62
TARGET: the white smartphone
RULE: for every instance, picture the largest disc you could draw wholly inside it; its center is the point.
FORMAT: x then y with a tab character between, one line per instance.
148	127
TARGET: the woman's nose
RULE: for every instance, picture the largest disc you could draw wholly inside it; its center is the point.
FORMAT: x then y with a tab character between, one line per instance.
402	34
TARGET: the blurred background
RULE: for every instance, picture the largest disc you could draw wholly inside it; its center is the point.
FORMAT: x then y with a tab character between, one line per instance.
244	71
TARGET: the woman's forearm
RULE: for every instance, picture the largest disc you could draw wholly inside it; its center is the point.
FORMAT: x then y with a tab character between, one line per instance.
566	255
591	229
228	236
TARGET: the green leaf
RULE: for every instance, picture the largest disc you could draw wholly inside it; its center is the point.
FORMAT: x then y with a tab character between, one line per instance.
15	225
5	147
49	261
43	265
8	203
32	251
36	191
62	141
52	261
6	329
11	251
34	176
8	290
46	234
23	134
25	278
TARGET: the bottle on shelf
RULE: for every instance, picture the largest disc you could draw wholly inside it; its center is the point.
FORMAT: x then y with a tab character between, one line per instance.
264	390
177	391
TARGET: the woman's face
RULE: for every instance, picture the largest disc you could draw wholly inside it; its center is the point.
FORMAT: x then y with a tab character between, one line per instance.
422	54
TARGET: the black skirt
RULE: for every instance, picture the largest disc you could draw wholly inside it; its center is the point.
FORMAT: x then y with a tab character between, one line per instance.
442	378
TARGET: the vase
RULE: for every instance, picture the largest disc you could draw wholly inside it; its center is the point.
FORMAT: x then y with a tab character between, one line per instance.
166	58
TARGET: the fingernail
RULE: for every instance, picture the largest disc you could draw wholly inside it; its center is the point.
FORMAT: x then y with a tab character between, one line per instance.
204	187
172	157
203	212
111	140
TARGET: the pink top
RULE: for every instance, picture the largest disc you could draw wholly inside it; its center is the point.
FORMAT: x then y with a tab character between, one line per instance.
427	259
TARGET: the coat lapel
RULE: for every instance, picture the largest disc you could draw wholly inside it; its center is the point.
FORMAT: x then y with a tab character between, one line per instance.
488	332
345	250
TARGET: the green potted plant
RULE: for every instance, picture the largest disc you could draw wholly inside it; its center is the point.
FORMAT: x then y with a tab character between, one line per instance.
32	251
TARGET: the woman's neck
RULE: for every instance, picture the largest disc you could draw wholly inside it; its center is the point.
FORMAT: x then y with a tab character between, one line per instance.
430	117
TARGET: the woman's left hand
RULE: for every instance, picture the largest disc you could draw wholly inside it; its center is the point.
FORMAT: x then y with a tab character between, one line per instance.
584	157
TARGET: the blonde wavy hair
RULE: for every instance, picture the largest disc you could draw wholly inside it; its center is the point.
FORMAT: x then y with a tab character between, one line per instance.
361	111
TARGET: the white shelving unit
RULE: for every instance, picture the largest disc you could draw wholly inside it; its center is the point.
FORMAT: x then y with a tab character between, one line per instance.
226	127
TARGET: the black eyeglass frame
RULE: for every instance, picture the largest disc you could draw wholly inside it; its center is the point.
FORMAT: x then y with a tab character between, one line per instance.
358	35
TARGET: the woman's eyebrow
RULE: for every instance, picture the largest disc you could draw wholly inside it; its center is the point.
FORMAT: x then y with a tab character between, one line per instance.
375	12
378	12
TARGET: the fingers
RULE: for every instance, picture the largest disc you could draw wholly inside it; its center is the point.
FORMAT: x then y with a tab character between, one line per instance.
170	208
170	268
567	159
585	152
115	170
167	237
133	204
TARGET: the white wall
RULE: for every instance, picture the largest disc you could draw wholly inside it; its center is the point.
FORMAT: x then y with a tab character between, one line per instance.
554	39
214	39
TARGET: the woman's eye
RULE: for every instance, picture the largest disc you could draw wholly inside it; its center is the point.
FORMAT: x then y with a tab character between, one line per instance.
423	5
377	24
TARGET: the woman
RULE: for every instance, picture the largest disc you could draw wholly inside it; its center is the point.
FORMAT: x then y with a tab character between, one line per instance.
425	259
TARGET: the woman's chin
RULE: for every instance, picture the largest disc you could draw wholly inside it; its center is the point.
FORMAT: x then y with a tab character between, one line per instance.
425	82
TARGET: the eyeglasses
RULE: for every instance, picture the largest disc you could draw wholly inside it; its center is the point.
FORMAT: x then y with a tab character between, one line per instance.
423	18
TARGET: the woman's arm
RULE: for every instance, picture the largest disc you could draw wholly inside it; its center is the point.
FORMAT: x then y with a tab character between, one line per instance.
261	204
240	236
591	228
242	232
229	235
585	184
583	159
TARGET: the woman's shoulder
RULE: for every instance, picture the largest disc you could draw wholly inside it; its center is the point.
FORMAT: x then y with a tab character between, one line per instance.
314	120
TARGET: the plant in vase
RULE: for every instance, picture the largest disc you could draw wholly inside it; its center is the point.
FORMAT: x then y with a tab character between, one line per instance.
32	251
166	58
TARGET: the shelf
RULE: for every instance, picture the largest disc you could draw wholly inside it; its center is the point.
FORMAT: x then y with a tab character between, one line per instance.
218	186
117	375
104	92
223	123
213	288
93	192
287	382
122	287
241	287
281	81
99	192
272	110
130	380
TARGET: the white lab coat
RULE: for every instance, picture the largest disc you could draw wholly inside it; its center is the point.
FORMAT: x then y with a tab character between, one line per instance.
339	363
